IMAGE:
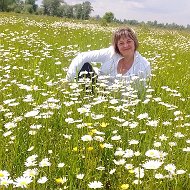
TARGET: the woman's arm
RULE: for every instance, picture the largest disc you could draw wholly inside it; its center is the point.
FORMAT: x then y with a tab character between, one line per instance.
92	56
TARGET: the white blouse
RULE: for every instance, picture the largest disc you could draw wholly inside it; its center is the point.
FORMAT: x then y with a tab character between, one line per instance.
109	61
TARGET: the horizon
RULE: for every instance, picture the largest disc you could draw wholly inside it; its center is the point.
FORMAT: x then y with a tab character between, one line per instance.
141	10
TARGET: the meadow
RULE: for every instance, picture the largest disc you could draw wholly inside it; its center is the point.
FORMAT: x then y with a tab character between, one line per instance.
56	136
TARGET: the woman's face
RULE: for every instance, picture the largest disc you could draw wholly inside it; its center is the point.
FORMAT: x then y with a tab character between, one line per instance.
126	46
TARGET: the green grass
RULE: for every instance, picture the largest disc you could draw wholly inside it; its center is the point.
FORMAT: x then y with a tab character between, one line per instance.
30	80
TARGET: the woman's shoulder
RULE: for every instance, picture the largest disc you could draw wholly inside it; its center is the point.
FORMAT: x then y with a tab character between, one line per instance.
141	59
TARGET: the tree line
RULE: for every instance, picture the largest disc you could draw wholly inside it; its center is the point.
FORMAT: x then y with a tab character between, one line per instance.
82	11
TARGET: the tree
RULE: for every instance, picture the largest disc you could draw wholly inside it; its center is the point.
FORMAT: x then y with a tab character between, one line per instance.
4	4
31	6
108	16
86	10
51	7
77	11
66	11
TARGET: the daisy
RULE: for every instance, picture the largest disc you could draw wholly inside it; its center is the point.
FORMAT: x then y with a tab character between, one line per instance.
42	180
32	113
119	162
95	185
128	153
107	145
10	125
45	162
170	168
152	153
112	171
5	181
22	181
139	172
159	176
86	138
4	174
80	176
143	116
152	164
116	138
60	165
31	172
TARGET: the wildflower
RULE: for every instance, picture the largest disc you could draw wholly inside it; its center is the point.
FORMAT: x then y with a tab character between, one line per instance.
75	149
153	153
170	168
133	125
31	172
32	132
6	134
119	153
152	164
129	166
131	142
178	135
143	116
80	176
137	153
5	181
166	123
98	138
95	185
112	171
32	113
124	186
10	125
157	144
187	149
42	180
107	145
35	126
180	171
45	162
119	162
116	138
139	172
137	181
31	160
103	124
30	149
61	180
60	165
83	110
4	174
86	138
159	176
90	148
163	137
22	181
153	123
128	153
172	144
177	113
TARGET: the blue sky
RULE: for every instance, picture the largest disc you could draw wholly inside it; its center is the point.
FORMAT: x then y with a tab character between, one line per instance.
164	11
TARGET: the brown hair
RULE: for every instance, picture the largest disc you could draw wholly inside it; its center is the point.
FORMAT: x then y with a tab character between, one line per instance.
124	32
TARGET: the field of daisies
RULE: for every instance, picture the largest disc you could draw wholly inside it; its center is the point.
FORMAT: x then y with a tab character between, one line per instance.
56	135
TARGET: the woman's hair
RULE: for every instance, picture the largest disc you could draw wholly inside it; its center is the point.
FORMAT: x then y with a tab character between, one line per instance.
124	32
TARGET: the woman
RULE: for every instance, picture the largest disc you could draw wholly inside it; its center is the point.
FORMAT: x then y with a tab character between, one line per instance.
119	60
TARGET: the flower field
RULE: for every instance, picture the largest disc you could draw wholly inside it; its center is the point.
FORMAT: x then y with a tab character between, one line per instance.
56	135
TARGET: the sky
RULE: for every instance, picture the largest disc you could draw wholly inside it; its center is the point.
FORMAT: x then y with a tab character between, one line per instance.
164	11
